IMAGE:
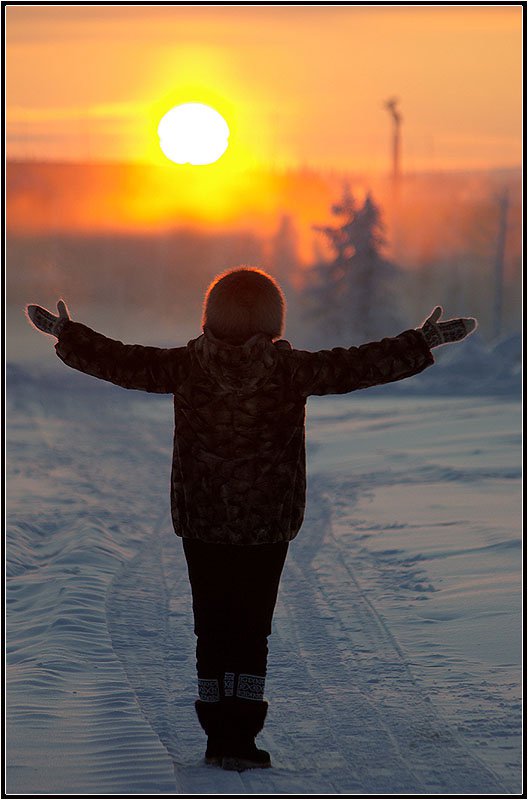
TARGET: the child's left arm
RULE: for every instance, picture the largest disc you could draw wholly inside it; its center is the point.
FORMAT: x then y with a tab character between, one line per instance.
342	370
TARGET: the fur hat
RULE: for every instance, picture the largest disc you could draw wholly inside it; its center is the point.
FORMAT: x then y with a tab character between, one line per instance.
242	302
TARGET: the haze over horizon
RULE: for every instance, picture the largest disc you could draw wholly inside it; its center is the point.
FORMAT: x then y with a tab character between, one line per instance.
303	89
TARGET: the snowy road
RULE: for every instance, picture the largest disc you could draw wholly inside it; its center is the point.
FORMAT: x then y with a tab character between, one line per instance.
372	684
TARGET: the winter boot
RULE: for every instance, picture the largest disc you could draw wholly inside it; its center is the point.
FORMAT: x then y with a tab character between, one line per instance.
211	718
244	719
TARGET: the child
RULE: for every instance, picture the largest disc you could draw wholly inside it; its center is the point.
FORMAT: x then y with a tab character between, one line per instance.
238	472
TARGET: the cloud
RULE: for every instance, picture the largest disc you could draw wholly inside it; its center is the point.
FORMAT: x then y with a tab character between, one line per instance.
20	114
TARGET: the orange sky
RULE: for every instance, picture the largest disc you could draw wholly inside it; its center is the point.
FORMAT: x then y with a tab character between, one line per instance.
299	85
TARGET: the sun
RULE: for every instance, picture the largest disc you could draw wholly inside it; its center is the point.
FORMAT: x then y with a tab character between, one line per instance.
193	133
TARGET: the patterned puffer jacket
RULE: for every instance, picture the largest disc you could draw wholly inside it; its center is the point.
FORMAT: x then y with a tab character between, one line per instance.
238	471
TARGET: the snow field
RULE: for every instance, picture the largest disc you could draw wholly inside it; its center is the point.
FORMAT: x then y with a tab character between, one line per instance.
394	662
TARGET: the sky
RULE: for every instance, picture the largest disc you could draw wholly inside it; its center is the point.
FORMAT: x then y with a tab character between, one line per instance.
298	85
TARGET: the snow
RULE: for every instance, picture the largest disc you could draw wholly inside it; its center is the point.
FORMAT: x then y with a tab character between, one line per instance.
396	651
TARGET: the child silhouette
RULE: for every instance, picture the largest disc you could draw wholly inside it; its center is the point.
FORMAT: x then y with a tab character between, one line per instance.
238	473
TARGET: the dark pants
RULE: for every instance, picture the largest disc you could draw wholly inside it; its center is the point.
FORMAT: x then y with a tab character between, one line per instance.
234	591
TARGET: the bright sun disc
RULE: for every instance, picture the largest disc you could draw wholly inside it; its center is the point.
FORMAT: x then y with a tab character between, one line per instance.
193	133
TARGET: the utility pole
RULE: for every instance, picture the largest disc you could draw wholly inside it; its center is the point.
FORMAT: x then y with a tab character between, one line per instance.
504	202
394	202
396	116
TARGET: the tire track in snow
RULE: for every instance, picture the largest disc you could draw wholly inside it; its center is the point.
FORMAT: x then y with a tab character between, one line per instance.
382	724
346	714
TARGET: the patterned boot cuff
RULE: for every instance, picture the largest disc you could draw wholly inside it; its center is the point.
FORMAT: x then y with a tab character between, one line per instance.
243	685
250	687
208	690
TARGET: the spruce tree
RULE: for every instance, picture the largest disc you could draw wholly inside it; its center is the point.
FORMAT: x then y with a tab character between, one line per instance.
353	295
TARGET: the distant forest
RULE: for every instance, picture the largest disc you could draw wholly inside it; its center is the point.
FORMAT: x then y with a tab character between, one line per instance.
447	234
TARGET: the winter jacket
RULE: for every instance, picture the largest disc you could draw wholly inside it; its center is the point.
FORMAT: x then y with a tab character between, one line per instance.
238	470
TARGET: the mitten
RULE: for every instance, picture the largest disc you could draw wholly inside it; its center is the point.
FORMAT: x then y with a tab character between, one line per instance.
47	322
452	330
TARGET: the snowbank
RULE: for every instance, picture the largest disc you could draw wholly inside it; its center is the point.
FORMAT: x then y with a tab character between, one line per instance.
469	368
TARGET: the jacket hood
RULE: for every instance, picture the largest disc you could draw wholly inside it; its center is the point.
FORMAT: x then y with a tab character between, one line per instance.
243	368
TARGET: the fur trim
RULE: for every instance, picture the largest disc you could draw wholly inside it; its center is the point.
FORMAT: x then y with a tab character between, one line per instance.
245	718
210	716
242	302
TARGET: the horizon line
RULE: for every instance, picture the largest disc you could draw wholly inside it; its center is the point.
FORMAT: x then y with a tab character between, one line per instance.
268	168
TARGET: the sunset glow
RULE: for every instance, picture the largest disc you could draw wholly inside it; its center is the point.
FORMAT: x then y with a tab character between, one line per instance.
301	95
300	85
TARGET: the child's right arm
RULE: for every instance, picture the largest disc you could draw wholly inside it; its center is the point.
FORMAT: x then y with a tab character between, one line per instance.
151	369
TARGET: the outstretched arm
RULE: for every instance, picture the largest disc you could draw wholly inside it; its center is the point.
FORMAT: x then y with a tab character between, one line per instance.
151	369
342	370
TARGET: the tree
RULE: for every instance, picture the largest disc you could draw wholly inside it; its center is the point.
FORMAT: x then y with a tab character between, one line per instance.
353	295
284	258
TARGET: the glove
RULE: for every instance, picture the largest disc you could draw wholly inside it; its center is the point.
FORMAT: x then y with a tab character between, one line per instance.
452	330
47	322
